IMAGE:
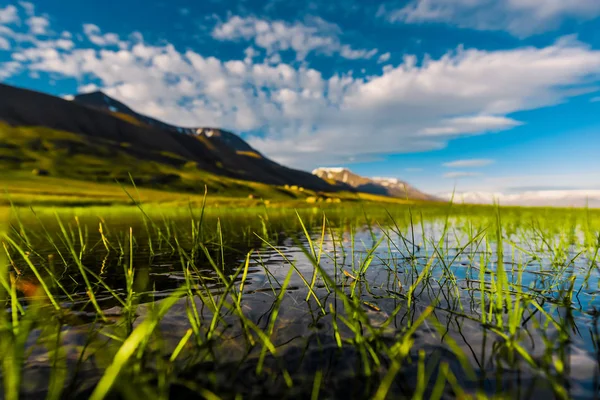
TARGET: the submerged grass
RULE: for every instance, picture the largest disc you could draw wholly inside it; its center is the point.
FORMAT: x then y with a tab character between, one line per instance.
416	301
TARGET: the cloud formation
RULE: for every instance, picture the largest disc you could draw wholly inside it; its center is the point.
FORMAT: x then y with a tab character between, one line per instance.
474	163
94	35
461	174
519	17
313	35
38	25
298	116
36	33
9	15
384	58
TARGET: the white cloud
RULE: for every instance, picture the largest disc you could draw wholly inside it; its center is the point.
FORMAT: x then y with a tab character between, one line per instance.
351	54
7	69
250	53
384	57
306	117
32	31
9	15
461	174
473	163
38	25
471	124
28	7
60	43
91	29
595	99
519	17
64	44
94	35
89	88
314	35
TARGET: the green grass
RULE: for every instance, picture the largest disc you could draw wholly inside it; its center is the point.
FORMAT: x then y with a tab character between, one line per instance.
267	297
24	189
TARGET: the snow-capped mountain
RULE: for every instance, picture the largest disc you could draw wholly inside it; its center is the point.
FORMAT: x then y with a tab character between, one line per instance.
384	186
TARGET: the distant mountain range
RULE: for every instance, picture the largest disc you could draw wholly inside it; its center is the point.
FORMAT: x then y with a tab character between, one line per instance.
95	137
554	198
382	186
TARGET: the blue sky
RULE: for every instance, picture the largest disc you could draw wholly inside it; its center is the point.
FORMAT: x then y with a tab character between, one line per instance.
488	95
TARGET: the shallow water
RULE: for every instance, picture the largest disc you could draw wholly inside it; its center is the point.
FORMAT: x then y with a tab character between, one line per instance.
318	334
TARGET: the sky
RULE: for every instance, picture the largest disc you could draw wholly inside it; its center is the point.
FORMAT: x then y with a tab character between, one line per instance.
472	96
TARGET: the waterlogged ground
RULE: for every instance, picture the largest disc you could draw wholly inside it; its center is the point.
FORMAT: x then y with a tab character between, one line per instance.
425	304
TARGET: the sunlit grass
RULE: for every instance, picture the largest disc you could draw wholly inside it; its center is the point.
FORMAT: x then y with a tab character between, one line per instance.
389	291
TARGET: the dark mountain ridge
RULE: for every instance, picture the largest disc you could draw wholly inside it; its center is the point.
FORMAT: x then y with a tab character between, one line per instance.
103	118
104	102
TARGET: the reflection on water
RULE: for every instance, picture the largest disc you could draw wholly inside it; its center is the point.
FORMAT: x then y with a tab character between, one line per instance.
542	340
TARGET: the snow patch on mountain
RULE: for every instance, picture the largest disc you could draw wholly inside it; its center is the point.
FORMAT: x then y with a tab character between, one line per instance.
393	187
333	173
389	182
334	170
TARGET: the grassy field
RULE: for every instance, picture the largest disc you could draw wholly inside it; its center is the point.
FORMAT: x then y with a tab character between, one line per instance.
346	300
55	167
24	189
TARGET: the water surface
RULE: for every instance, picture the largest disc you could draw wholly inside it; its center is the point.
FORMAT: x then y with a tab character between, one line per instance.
344	333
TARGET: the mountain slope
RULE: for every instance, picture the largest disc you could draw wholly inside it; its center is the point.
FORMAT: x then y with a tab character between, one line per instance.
103	125
103	102
382	186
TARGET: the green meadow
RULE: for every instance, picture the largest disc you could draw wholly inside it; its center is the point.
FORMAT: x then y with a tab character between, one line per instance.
168	297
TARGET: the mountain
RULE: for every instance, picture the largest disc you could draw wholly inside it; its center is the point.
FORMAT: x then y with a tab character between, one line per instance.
101	101
382	186
96	137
